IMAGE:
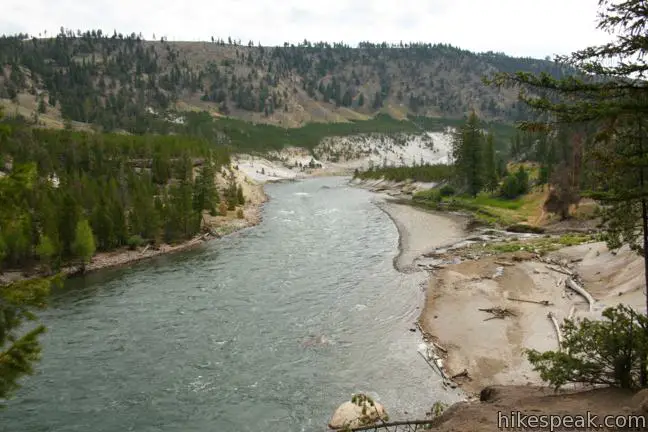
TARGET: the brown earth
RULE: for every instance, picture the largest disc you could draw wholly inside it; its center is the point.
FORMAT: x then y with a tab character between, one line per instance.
492	350
501	401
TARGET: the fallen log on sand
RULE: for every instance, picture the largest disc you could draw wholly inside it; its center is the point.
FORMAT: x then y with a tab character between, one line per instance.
540	302
559	269
552	317
580	290
498	313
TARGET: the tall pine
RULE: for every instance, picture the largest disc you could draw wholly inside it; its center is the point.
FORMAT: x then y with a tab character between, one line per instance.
467	154
613	106
490	167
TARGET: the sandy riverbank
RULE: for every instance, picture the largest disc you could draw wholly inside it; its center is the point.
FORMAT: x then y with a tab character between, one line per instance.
492	350
463	281
420	232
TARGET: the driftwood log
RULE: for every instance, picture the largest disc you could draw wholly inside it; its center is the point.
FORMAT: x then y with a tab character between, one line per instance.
540	302
434	366
498	313
559	336
559	269
580	290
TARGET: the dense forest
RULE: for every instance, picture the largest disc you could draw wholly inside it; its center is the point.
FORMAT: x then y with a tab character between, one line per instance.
125	82
65	194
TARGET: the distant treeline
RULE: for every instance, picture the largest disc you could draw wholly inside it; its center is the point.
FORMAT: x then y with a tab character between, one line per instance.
246	136
241	135
421	173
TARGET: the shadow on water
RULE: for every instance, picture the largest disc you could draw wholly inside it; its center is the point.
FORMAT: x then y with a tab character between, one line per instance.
94	283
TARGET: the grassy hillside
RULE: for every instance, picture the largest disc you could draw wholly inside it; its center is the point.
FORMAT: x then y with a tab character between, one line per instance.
122	82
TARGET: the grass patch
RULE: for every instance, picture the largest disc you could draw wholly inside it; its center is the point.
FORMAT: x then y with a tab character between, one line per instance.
541	245
491	201
486	208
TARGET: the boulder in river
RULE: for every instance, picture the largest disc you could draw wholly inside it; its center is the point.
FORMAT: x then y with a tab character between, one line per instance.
361	411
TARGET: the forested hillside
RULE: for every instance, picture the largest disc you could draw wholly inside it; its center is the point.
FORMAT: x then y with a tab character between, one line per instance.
122	82
65	194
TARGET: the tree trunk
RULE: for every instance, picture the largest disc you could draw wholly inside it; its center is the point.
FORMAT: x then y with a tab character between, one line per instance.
644	220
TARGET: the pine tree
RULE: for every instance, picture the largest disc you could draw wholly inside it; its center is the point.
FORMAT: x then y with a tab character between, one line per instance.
83	246
19	348
239	195
468	155
68	217
46	251
347	99
206	196
490	169
614	106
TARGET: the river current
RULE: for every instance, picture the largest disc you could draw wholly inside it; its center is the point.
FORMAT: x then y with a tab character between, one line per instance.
268	329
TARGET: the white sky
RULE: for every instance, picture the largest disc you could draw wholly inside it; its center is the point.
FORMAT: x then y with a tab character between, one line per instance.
533	28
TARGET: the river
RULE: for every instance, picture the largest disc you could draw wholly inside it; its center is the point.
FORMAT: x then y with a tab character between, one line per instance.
268	329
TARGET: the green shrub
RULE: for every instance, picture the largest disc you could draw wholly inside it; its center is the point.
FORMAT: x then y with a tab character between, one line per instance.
447	190
510	188
135	241
612	351
428	195
515	185
523	180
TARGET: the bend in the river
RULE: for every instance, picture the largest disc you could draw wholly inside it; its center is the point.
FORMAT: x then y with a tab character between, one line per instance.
265	330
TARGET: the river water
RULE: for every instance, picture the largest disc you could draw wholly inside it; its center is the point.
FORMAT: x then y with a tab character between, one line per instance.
269	329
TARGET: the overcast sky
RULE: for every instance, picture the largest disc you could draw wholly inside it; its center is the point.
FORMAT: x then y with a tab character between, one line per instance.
533	28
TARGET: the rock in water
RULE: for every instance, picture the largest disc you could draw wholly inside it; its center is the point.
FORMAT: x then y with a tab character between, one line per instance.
357	414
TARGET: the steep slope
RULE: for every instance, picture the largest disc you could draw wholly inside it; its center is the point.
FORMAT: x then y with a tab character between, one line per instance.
124	82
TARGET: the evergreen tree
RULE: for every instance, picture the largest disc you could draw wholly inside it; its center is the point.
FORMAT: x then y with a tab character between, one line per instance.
45	251
239	195
68	218
347	99
378	101
490	168
206	196
468	155
83	246
19	347
614	108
